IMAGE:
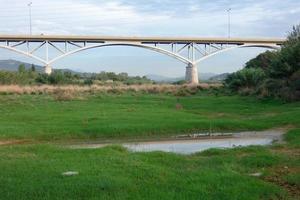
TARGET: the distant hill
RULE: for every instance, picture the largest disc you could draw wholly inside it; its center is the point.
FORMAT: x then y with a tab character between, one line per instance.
158	78
219	78
165	79
13	65
206	76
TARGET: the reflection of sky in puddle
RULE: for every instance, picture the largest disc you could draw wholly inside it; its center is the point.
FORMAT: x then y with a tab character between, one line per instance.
192	146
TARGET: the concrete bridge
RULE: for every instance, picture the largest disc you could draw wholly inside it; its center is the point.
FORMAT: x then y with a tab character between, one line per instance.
189	50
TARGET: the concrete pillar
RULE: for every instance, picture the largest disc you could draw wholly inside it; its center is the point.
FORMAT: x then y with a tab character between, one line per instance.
48	69
191	74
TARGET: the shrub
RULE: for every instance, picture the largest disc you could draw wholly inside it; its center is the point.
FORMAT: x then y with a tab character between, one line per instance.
248	78
63	95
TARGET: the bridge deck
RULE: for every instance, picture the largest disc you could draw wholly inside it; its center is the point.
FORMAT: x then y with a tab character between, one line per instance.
200	40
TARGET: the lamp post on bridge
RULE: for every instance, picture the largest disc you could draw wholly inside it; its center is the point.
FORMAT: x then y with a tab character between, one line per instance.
229	21
30	25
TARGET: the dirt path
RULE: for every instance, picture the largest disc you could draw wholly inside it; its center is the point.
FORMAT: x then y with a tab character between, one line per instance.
12	142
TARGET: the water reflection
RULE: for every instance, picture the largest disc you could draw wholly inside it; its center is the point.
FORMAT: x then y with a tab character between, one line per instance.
192	146
188	146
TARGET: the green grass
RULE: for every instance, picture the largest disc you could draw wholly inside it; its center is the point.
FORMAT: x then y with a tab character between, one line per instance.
293	137
293	179
33	171
137	115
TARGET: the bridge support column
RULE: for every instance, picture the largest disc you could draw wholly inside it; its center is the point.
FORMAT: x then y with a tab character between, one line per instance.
191	74
48	69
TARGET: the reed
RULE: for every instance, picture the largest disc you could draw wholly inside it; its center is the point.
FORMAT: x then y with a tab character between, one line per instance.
71	89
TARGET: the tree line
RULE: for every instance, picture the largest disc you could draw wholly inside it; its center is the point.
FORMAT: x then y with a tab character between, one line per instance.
60	77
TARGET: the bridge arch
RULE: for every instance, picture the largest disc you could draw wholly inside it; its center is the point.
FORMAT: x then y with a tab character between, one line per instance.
153	48
190	61
23	53
275	47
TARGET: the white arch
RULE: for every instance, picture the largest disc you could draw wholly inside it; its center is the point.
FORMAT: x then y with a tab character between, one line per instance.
23	53
235	47
157	49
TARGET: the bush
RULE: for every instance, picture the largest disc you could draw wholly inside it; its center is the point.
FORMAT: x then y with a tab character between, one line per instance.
63	95
248	78
88	82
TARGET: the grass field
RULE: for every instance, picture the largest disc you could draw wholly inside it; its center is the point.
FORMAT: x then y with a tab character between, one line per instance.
34	170
137	115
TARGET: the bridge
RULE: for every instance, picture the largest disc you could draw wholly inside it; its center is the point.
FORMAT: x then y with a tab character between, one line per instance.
189	50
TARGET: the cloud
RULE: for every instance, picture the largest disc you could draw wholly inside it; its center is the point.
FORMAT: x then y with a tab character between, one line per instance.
78	17
156	17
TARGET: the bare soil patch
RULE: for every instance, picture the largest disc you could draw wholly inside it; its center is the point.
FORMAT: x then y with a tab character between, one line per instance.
12	142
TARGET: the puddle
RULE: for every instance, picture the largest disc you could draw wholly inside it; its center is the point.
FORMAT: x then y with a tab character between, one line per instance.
192	146
188	146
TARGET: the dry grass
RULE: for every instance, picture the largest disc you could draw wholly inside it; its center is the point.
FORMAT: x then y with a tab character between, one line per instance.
68	91
179	106
63	95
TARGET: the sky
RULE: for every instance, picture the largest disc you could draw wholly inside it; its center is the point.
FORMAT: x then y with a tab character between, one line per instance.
199	18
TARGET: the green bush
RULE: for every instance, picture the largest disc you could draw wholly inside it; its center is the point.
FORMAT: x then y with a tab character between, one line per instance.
246	78
11	78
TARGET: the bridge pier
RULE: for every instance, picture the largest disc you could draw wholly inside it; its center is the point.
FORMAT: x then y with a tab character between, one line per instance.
191	74
48	69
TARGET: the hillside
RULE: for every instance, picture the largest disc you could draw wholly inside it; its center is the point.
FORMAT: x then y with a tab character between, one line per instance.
219	77
13	65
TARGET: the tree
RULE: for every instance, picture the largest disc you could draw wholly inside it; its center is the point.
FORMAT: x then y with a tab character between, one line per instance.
262	61
246	78
32	68
21	68
294	36
57	77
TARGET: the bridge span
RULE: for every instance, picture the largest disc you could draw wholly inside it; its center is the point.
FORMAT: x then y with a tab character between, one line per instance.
190	50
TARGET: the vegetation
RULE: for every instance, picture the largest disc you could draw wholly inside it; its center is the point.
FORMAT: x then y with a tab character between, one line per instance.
273	73
136	114
177	90
58	77
34	171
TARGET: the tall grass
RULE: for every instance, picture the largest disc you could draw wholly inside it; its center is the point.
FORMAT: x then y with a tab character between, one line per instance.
180	90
